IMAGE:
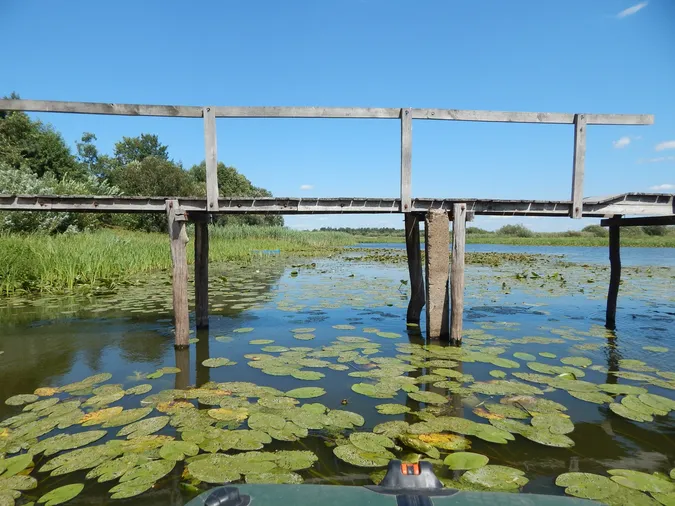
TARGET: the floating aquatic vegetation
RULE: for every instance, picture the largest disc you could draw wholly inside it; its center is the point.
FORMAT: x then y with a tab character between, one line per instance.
61	494
587	485
218	362
495	477
392	409
465	461
357	457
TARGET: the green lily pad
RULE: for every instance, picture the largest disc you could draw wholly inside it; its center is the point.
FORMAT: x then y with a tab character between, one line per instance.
344	327
19	400
452	442
656	349
61	494
304	337
428	397
154	375
577	361
497	374
547	354
217	362
657	402
356	457
392	429
524	356
554	423
130	489
144	427
295	460
641	481
495	477
178	450
275	476
149	471
303	330
14	465
633	402
243	330
665	499
587	485
62	442
617	389
507	411
370	442
548	438
306	392
465	460
418	445
308	375
344	419
261	341
18	482
594	397
388	335
376	391
126	417
628	413
139	389
264	421
392	409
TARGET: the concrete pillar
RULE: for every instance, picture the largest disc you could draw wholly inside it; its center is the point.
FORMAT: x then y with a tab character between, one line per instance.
437	265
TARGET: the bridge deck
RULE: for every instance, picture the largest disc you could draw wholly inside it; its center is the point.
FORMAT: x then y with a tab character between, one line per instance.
639	204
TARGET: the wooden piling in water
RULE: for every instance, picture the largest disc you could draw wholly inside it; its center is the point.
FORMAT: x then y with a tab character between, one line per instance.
179	240
457	271
182	380
202	271
412	245
436	246
614	275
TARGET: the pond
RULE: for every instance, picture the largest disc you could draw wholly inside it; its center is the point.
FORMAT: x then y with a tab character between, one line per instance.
299	357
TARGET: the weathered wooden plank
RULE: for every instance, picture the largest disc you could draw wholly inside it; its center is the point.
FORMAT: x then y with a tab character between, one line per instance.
406	160
530	117
306	112
211	158
181	111
179	239
412	246
436	245
614	275
202	274
639	222
578	166
457	271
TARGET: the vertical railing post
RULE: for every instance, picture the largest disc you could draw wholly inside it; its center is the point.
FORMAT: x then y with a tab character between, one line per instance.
457	271
211	158
179	239
578	166
406	160
614	274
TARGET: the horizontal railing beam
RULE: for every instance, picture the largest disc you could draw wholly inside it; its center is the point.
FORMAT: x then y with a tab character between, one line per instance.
639	222
182	111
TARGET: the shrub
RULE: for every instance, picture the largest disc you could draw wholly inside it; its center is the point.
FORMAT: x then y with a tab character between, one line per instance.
477	231
655	230
595	230
515	230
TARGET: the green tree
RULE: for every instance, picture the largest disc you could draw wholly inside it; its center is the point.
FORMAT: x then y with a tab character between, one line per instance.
93	162
137	149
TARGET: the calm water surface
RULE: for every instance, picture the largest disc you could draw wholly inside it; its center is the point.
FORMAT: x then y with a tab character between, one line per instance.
53	341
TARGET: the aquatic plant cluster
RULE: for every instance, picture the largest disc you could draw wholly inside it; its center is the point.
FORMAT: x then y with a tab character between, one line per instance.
218	432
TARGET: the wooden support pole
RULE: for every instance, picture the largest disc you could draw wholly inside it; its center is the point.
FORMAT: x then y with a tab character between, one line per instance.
436	246
179	240
578	166
412	246
182	381
614	275
406	160
202	272
457	271
211	158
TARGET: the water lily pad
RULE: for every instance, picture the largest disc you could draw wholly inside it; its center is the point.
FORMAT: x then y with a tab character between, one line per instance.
103	400
19	400
641	481
465	460
178	450
46	391
496	477
370	442
554	423
628	413
392	409
595	397
497	374
376	391
507	411
308	375
657	401
261	341
344	419
130	489
243	330
303	330
264	421
388	335
524	356
655	349
100	416
618	389
144	427
218	362
61	494
304	336
306	392
548	438
587	485
139	389
445	441
344	327
415	443
428	397
149	472
274	476
547	354
577	361
62	442
15	465
295	460
229	414
633	402
356	457
392	429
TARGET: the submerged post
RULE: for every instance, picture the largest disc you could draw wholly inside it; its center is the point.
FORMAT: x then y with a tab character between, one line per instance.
179	240
412	246
201	271
457	271
182	381
614	275
436	246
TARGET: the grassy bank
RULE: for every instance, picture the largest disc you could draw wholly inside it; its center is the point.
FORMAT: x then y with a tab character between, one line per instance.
103	259
645	241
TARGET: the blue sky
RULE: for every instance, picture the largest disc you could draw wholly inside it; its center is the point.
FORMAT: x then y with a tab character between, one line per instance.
558	56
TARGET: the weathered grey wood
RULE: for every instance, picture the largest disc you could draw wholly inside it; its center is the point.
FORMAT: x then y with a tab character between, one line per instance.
182	378
406	160
639	222
182	111
436	245
649	204
316	112
614	275
457	271
211	158
412	245
202	274
179	239
578	166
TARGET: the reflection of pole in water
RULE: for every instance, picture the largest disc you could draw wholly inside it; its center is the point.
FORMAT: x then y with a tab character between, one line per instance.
613	357
183	363
203	374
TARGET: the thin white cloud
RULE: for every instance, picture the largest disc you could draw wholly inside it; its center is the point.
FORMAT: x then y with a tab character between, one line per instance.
662	187
662	146
621	143
631	10
306	187
658	159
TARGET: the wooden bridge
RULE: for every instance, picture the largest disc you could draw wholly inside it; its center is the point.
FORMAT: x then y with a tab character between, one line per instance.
442	286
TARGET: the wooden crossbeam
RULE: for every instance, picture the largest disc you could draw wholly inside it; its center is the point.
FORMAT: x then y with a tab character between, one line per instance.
638	222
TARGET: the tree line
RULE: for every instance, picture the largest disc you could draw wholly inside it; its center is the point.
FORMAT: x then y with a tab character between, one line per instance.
36	160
